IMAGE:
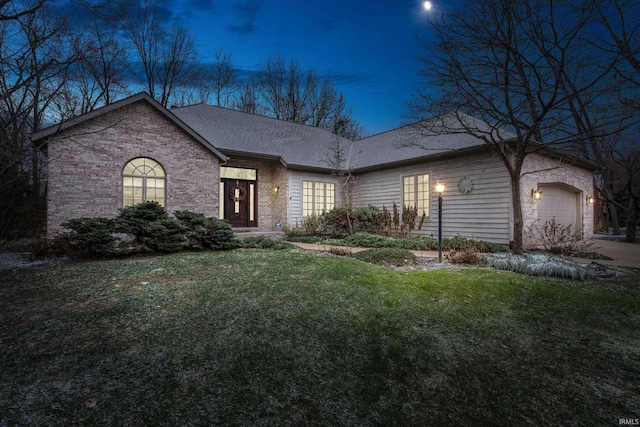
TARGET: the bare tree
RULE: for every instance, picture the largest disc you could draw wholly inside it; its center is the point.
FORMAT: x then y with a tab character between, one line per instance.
167	59
223	78
505	62
97	77
214	83
288	92
247	99
11	10
34	59
621	22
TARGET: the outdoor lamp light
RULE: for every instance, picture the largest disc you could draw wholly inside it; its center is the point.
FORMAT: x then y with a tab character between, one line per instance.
536	194
276	189
591	200
440	190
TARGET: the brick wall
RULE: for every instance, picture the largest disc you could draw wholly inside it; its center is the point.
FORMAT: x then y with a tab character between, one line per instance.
86	162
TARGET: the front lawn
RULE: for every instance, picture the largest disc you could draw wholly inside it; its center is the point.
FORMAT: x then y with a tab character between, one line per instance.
261	337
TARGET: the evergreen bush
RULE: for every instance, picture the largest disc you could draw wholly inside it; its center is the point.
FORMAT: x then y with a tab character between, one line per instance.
151	227
206	232
368	240
263	242
87	238
151	230
387	256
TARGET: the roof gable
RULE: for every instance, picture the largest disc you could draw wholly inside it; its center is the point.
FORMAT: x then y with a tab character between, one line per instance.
52	131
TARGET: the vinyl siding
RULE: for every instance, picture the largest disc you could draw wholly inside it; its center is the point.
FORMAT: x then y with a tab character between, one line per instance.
484	214
294	213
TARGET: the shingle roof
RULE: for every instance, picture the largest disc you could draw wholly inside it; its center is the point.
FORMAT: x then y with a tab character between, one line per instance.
235	132
417	141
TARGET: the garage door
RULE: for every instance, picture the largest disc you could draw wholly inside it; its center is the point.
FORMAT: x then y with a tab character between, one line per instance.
558	202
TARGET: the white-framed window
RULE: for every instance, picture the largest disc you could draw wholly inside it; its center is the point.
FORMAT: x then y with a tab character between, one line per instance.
415	192
143	179
317	197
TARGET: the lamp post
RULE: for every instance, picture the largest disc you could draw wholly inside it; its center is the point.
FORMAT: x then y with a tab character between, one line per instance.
439	190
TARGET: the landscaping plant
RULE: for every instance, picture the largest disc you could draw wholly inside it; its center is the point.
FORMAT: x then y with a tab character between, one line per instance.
87	238
203	232
539	264
387	256
143	228
560	239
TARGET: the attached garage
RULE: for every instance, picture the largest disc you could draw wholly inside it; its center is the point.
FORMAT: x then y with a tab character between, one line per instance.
559	201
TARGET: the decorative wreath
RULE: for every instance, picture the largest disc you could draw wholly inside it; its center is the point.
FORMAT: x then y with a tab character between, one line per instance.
242	194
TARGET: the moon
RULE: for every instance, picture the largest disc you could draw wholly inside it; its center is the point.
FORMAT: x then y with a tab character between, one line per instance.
427	5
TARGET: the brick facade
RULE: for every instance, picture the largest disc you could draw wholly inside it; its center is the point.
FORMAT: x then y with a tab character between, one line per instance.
86	162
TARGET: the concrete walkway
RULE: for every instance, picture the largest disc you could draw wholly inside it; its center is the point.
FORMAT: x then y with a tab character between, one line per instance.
622	254
326	248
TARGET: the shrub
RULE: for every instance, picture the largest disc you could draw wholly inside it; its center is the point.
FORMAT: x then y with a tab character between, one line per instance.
362	219
365	219
559	239
368	240
263	242
304	239
459	243
135	219
541	265
151	227
337	221
206	232
399	224
417	243
470	256
387	256
313	225
88	237
340	251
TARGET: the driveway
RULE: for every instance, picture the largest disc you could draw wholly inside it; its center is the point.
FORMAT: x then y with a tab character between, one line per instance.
622	254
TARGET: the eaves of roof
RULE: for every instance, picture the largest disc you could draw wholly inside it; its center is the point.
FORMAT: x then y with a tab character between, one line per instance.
560	155
442	155
245	155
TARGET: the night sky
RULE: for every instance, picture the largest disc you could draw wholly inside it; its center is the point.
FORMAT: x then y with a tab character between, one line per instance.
370	47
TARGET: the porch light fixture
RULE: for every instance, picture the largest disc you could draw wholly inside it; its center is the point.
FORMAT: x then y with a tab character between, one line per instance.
440	190
591	200
276	189
536	194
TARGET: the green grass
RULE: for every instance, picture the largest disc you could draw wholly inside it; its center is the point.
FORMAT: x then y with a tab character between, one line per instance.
260	337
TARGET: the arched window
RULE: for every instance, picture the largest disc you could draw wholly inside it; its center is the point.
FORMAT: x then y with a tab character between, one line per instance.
143	179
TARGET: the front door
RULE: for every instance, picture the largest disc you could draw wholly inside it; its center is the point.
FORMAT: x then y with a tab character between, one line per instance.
239	203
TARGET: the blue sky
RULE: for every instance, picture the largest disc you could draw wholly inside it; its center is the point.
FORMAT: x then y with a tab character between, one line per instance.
368	46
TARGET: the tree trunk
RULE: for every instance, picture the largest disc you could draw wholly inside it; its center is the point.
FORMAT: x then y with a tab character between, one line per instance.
518	222
632	221
613	217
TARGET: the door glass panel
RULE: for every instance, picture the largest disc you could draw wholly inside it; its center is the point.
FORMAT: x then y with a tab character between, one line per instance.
251	207
221	197
238	173
236	197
